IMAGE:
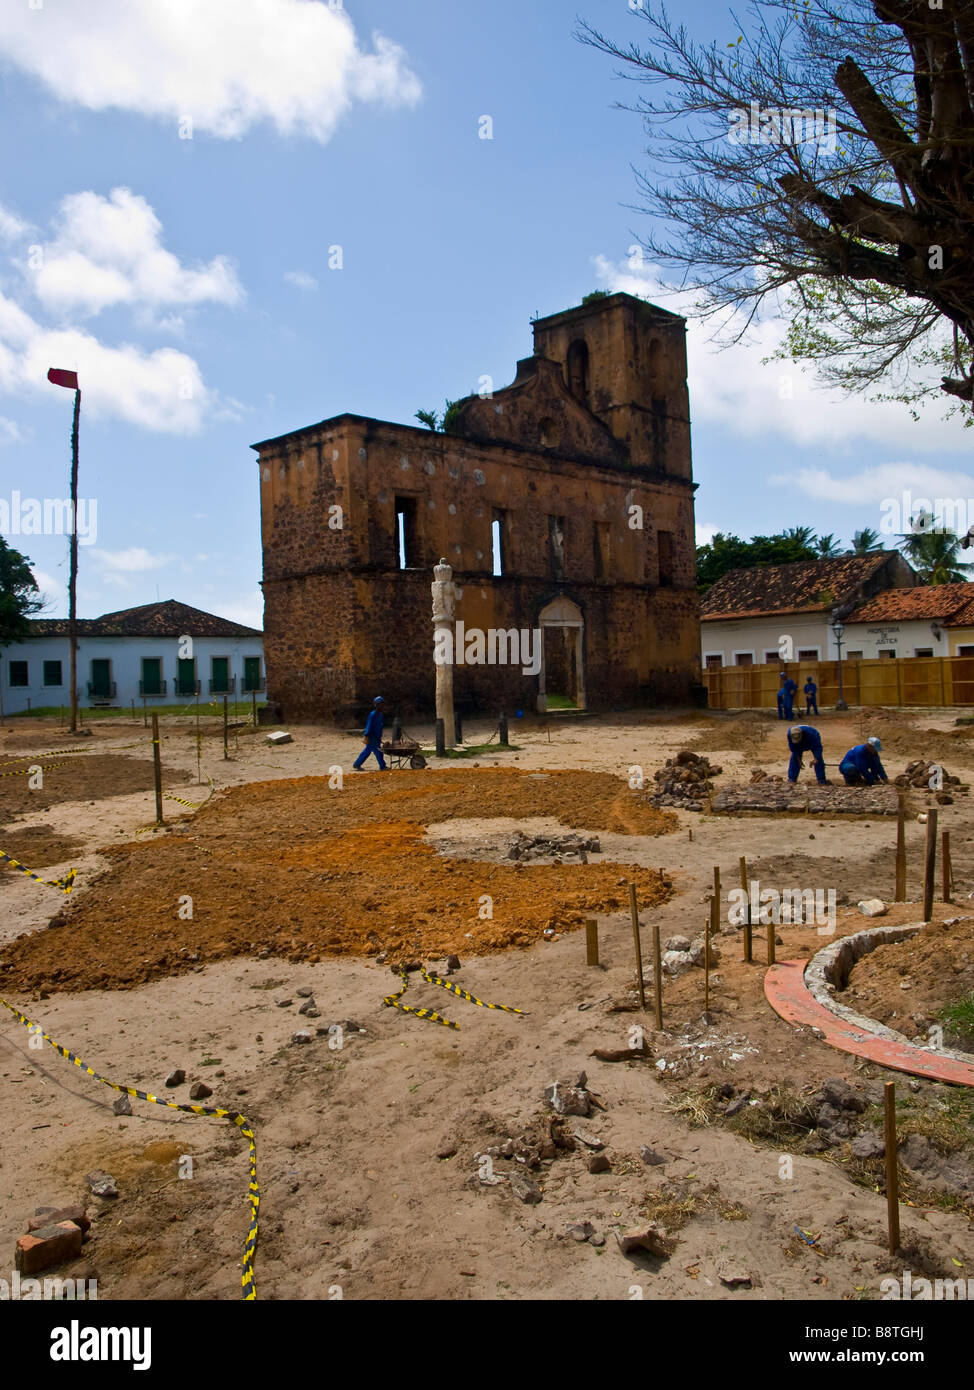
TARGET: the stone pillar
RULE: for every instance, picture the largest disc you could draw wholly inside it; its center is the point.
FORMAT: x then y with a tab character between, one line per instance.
444	624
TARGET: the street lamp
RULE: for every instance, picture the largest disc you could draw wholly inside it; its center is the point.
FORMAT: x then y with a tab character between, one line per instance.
59	377
837	631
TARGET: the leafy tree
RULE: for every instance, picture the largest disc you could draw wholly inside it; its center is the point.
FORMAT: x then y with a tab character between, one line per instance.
861	224
803	535
429	418
865	542
19	595
827	547
445	422
726	553
935	555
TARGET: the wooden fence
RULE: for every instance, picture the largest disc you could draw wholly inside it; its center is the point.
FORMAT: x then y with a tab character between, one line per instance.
907	680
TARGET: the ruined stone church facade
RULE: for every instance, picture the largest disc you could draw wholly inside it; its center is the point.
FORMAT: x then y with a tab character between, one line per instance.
563	502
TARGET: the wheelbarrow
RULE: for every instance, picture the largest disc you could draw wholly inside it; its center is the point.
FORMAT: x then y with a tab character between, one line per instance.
404	752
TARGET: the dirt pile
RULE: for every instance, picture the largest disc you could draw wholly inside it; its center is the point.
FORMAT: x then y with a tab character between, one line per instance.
685	781
303	870
906	984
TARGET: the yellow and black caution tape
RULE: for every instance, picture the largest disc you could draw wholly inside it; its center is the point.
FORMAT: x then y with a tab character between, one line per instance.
65	884
29	771
241	1121
431	1014
48	753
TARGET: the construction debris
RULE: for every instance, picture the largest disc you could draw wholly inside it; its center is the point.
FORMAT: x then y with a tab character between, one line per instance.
685	781
553	846
926	776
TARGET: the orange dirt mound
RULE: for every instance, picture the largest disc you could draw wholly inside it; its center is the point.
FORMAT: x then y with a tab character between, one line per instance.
304	871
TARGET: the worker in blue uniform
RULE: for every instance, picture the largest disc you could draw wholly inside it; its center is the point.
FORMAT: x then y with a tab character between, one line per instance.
373	735
802	738
811	697
861	764
786	697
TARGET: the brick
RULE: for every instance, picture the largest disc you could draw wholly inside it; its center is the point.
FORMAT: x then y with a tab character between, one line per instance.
50	1216
47	1246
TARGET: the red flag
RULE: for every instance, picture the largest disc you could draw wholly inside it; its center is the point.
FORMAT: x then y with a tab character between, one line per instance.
59	377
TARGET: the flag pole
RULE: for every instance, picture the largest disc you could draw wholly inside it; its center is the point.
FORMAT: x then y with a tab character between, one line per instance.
73	575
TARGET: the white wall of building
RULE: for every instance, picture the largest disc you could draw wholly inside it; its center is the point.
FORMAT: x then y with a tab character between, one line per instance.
730	637
125	655
895	638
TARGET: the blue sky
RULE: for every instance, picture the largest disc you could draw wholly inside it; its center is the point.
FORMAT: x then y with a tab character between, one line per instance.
188	279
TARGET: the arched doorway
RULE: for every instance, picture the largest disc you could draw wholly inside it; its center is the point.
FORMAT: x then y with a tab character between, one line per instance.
561	680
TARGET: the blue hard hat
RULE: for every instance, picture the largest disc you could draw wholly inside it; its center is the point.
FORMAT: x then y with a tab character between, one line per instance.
378	700
875	743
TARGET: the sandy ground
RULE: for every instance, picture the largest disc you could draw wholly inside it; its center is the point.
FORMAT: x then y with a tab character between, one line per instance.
356	1199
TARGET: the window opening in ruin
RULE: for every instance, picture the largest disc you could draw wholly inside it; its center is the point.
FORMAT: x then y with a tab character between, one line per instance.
577	367
406	533
497	540
556	546
665	542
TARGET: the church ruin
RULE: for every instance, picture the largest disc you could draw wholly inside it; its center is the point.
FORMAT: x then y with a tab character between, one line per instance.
563	503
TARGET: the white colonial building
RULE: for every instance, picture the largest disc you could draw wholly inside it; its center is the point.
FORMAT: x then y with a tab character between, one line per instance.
164	653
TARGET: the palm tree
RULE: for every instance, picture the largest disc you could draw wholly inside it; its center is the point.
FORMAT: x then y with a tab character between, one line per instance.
865	542
935	555
827	547
801	535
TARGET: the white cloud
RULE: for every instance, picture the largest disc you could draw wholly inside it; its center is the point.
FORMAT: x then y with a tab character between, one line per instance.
10	432
885	480
224	65
733	386
705	532
107	251
161	390
135	560
301	279
249	611
12	227
53	591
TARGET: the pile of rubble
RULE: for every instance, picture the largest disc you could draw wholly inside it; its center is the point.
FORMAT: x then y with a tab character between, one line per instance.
926	776
685	781
680	954
558	847
806	797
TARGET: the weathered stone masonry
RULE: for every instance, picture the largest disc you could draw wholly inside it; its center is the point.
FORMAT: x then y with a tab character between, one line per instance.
594	424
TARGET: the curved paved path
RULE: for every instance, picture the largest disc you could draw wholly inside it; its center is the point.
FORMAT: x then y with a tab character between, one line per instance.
784	986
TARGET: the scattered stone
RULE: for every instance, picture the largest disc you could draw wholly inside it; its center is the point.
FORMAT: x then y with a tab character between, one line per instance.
283	1003
838	1093
598	1163
524	1189
302	1037
651	1157
199	1091
925	776
676	962
311	1011
873	907
586	1137
684	781
305	992
621	1054
737	1105
47	1246
278	738
676	943
307	1006
123	1106
580	1230
102	1184
560	847
447	1148
452	963
176	1078
734	1276
652	1238
869	1144
566	1099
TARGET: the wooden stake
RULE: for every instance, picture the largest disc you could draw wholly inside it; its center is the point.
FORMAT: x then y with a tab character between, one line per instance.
929	865
747	909
635	937
226	750
592	942
157	766
945	867
900	895
710	929
657	976
892	1171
